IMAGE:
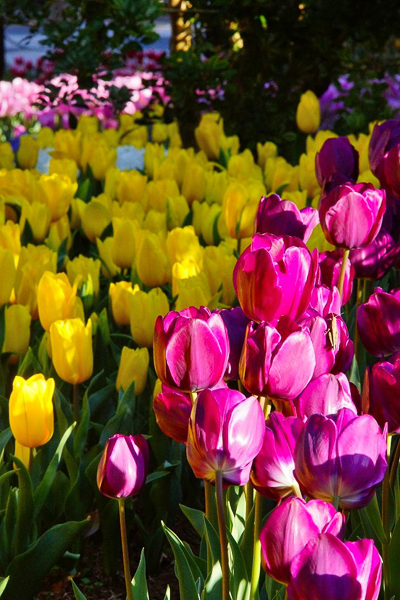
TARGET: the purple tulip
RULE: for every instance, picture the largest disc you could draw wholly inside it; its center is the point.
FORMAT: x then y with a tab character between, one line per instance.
123	466
282	217
172	409
326	395
325	347
340	336
384	394
273	467
289	527
378	322
337	156
329	568
342	456
351	215
235	322
375	260
324	301
226	432
268	358
383	154
191	349
330	263
275	276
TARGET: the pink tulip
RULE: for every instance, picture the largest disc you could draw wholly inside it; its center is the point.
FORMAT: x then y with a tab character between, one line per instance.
226	432
384	394
341	456
384	149
275	276
172	409
282	217
289	527
330	263
378	322
191	349
273	467
324	300
326	395
329	568
351	215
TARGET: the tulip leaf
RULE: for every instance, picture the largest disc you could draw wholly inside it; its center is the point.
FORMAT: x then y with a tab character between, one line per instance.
7	529
275	590
36	562
372	514
25	510
393	560
3	584
77	592
240	578
139	583
82	429
44	487
213	585
5	437
29	365
187	583
247	541
196	518
167	593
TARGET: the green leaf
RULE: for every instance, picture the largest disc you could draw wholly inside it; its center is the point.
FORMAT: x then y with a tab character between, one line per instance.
187	584
36	562
5	437
196	518
29	366
373	515
77	592
393	560
3	584
167	593
25	509
139	583
82	429
240	579
44	486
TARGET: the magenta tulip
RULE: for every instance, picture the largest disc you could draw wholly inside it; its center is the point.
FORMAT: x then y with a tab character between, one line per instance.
340	336
375	260
226	431
275	276
329	568
378	322
282	217
384	153
330	263
351	215
268	358
235	322
324	301
289	527
123	466
326	395
384	394
336	157
341	456
191	349
172	409
272	473
325	346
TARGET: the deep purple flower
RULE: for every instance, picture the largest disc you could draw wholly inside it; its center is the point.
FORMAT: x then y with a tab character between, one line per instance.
337	156
341	456
275	276
191	349
384	394
374	260
282	217
351	215
384	155
226	431
330	264
378	322
235	322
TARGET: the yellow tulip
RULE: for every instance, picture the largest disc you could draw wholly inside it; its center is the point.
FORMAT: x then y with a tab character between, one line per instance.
280	174
38	216
10	237
299	198
6	156
176	209
128	210
265	151
124	242
24	454
193	291
45	137
108	267
133	366
216	186
242	167
144	310
240	206
315	143
209	136
57	299
183	243
31	410
95	218
8	273
153	156
159	133
308	115
183	270
59	232
88	124
64	166
56	191
131	187
33	262
218	267
18	331
194	182
157	193
120	294
205	221
67	143
72	350
27	153
156	222
307	177
85	271
152	264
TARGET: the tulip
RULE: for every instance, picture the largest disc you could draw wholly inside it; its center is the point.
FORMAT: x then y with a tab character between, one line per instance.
183	243
384	155
56	191
72	351
95	218
239	207
272	473
57	299
268	356
378	322
226	432
172	409
133	366
156	222
120	294
218	267
275	276
289	527
18	331
208	136
131	187
337	156
341	458
236	323
351	215
307	177
38	216
243	168
108	267
280	174
10	237
31	410
375	260
329	568
152	264
324	300
59	233
124	242
384	394
123	466
281	217
330	264
158	192
265	151
7	270
325	395
308	115
33	262
190	349
67	143
28	151
194	182
326	345
194	291
144	308
64	166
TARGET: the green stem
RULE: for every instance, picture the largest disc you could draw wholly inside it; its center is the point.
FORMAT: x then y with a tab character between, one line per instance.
386	524
346	253
255	571
222	534
75	403
125	554
395	464
209	514
360	287
248	490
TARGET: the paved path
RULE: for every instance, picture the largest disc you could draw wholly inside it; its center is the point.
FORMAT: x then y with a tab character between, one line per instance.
19	43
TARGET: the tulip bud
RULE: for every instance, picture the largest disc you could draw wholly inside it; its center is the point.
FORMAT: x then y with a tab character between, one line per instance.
124	246
57	299
123	466
28	151
143	310
72	350
133	366
308	116
120	294
56	191
18	331
7	270
152	265
31	410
